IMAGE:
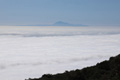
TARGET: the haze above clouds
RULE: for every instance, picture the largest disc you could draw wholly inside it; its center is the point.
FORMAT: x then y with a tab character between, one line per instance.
46	12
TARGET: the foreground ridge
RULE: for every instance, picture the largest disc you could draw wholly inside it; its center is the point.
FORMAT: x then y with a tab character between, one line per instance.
106	70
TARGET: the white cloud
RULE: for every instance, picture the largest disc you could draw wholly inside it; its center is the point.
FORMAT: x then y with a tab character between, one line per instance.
24	57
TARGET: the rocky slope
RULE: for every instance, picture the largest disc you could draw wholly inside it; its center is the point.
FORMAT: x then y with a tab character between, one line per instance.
106	70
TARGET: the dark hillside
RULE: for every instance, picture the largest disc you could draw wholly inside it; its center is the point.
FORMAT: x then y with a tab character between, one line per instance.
106	70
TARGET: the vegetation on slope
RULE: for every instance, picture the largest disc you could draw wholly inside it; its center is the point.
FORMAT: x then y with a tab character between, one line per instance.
106	70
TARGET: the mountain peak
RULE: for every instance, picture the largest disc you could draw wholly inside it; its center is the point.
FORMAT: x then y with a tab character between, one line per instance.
61	23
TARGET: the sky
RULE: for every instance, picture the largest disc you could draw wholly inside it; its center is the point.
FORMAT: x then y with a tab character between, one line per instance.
35	12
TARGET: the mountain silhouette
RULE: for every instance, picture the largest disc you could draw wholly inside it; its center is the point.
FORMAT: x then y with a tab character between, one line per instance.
58	23
61	23
106	70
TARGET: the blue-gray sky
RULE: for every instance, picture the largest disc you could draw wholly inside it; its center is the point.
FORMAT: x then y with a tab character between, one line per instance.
34	12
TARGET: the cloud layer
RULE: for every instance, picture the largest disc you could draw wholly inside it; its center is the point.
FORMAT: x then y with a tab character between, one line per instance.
24	55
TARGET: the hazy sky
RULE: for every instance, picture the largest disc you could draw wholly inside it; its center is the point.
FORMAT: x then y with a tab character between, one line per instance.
33	12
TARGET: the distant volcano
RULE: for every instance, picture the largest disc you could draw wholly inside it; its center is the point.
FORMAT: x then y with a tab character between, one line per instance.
58	23
61	23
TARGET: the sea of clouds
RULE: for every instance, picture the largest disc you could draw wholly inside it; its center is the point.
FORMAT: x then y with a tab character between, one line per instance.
29	51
